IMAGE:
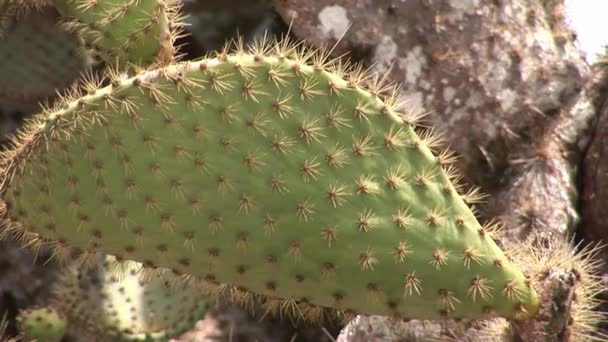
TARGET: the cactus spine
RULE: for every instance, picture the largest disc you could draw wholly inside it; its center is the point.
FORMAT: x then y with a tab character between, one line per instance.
269	170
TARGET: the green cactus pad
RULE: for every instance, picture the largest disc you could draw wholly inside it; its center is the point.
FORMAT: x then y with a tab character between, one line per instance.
38	57
118	306
136	31
42	325
272	170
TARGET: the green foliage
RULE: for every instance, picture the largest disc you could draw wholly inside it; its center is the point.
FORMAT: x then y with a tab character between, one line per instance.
269	171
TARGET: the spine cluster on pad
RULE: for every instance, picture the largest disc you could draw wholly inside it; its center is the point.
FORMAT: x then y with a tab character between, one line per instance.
270	171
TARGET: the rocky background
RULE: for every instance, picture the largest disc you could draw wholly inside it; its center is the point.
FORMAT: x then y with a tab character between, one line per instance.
502	81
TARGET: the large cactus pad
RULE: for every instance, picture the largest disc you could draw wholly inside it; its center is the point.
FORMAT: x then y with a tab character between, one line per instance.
268	169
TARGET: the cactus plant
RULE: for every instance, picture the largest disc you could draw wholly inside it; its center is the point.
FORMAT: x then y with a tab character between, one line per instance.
136	31
38	57
575	296
271	169
42	325
119	306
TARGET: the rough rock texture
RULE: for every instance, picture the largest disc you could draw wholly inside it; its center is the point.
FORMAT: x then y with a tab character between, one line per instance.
595	185
378	329
595	178
210	23
229	322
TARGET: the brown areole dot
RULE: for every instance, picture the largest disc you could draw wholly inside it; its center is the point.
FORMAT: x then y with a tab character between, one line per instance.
439	258
215	223
295	249
242	239
373	291
162	249
271	286
327	269
366	221
269	224
367	260
338	299
329	234
304	210
213	252
200	164
241	269
270	259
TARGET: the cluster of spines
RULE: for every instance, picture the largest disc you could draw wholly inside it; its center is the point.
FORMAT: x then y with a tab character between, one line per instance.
308	132
567	260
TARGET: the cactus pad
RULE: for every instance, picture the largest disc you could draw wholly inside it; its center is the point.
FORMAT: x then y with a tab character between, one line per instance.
42	325
118	306
270	169
38	57
136	31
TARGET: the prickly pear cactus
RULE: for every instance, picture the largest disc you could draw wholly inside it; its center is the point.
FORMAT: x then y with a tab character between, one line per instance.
118	306
42	325
38	57
137	31
270	169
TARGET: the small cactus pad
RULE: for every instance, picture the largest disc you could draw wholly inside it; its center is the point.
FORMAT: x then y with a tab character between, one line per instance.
271	169
115	305
136	31
42	325
37	57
